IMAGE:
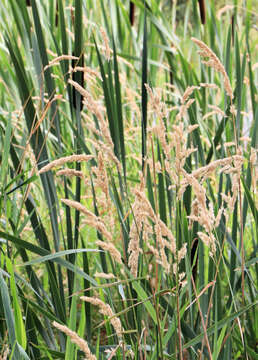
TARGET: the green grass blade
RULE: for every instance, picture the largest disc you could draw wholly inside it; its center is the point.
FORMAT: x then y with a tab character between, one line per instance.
161	191
57	255
108	102
7	142
144	96
142	297
43	252
251	202
247	180
227	320
47	73
71	351
16	350
119	109
19	325
87	306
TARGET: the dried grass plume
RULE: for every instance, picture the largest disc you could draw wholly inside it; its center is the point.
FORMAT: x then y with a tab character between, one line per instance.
76	339
215	63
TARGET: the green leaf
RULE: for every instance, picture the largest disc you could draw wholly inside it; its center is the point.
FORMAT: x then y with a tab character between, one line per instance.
57	255
17	351
40	251
119	109
144	96
219	325
19	325
143	296
6	149
251	202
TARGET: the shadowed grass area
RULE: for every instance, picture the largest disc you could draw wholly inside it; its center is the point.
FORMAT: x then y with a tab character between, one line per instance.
128	180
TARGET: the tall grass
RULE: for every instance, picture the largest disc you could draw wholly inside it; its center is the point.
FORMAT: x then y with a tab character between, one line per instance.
128	180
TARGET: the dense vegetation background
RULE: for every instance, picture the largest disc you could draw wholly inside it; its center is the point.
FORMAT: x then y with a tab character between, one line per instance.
128	179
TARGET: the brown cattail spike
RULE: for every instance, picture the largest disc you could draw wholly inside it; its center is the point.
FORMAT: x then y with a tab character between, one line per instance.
202	11
79	81
194	251
233	29
57	14
131	15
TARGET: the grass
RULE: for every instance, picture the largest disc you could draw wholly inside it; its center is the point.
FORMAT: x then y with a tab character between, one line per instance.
128	180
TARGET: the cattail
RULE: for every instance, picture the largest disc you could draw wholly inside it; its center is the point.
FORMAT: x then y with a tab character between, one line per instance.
131	13
79	78
194	254
57	14
76	339
202	11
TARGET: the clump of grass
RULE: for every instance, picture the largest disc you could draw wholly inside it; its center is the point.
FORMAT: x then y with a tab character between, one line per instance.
153	166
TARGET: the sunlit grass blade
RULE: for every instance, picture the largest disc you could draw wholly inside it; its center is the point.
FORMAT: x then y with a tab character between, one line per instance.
106	83
43	252
87	306
47	72
144	96
227	320
161	191
16	349
247	180
251	203
119	109
71	350
18	321
6	149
